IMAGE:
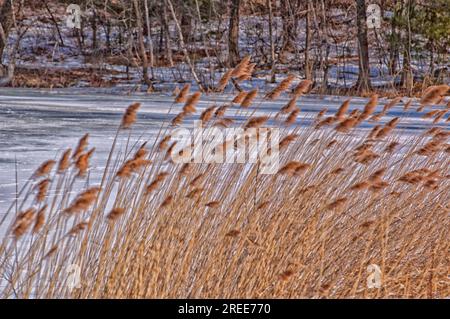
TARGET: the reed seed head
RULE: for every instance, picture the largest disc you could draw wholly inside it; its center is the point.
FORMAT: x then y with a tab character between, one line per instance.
182	95
129	117
45	168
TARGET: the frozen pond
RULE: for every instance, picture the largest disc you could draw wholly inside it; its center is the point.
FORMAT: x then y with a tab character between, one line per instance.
37	125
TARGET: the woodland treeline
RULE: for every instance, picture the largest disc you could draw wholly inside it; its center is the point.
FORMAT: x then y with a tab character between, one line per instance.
309	37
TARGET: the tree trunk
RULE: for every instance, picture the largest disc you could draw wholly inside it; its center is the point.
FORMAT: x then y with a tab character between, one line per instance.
6	79
108	34
431	67
233	35
149	34
394	40
288	16
308	68
166	34
94	30
5	25
186	26
52	16
142	51
363	83
183	47
407	75
272	45
324	35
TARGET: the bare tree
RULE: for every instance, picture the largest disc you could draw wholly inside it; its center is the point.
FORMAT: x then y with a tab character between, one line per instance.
186	20
165	34
142	50
183	46
407	75
324	66
394	38
289	18
7	78
363	83
55	22
233	33
149	33
5	24
272	44
308	66
20	30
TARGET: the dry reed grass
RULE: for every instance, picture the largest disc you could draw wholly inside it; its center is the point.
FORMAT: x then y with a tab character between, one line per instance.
156	229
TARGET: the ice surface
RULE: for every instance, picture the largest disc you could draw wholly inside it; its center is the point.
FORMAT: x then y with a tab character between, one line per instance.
37	125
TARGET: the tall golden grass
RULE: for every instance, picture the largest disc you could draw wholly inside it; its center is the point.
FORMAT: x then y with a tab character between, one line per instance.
341	201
